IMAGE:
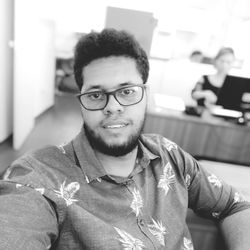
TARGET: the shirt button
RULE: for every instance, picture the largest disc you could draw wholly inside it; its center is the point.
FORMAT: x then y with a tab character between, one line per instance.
129	182
142	222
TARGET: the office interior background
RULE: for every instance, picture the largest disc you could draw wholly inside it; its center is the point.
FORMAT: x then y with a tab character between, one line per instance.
37	36
36	33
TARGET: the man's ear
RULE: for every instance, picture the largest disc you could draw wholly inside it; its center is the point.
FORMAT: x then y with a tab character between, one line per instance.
147	89
149	96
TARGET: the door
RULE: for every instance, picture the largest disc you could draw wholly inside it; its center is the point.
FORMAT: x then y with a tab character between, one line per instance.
34	67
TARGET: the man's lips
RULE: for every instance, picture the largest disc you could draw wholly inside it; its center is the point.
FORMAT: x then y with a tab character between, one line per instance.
115	124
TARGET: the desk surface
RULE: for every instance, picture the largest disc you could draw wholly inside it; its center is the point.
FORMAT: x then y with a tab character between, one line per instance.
206	137
206	118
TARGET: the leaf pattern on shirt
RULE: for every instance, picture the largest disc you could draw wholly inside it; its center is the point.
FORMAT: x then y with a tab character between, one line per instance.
216	214
158	230
40	190
128	241
213	179
187	244
137	202
167	178
68	192
239	198
19	185
188	180
170	145
61	148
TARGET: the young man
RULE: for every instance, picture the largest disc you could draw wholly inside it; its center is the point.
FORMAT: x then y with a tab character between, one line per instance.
112	187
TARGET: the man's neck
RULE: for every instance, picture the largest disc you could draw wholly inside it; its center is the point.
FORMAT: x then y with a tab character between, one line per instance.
120	166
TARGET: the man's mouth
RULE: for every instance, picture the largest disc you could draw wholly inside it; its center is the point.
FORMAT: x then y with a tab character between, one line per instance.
115	125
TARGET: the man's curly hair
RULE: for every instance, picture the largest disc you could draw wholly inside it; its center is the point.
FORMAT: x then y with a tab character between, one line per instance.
109	42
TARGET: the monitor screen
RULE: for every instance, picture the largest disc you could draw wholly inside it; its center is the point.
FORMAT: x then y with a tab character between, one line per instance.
230	94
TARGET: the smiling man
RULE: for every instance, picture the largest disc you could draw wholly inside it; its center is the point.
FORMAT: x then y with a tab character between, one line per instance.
119	116
114	106
113	187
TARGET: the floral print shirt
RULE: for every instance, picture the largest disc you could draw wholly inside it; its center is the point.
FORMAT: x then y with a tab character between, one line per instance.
62	198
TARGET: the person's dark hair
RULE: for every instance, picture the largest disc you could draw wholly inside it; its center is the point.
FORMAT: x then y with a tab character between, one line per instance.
109	42
196	53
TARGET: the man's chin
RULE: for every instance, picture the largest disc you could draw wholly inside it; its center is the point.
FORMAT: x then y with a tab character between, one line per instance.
115	142
117	150
114	146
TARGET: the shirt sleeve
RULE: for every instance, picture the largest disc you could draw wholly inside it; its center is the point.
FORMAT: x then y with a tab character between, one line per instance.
208	195
27	219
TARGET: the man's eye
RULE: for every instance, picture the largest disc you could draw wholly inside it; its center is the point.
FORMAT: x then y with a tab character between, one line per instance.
127	92
95	96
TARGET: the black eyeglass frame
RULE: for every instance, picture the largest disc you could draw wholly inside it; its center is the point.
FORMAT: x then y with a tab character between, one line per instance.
113	92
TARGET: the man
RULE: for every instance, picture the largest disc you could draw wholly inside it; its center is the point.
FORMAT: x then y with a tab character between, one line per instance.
112	187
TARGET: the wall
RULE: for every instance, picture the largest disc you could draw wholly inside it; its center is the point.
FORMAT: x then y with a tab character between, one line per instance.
139	23
34	67
176	77
6	61
45	70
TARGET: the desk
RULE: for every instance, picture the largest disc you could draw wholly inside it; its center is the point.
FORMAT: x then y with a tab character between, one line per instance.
206	137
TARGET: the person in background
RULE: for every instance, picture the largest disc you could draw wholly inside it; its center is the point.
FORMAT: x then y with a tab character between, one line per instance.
196	56
113	187
207	88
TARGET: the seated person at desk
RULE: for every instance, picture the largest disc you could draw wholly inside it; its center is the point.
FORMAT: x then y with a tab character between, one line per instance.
208	87
112	187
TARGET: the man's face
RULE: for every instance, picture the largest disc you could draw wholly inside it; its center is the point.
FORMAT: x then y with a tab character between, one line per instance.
115	129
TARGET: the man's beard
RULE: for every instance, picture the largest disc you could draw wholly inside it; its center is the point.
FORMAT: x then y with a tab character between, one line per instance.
100	145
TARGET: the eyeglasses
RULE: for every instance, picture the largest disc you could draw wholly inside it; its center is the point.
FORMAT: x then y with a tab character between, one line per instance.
125	96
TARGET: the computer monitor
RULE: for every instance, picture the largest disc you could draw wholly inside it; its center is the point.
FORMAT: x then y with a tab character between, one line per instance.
230	95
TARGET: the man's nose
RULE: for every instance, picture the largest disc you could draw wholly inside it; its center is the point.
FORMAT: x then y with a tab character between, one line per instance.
113	106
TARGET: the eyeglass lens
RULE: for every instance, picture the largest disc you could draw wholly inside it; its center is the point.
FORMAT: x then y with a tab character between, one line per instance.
124	96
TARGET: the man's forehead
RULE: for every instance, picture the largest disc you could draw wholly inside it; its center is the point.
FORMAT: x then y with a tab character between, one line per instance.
110	71
109	63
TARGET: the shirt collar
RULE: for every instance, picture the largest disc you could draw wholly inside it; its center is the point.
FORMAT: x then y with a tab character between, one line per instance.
92	167
89	163
145	155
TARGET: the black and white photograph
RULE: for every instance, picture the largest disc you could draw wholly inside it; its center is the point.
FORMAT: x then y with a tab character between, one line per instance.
125	125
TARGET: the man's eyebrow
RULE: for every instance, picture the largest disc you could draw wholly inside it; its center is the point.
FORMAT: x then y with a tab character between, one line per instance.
94	87
100	87
126	84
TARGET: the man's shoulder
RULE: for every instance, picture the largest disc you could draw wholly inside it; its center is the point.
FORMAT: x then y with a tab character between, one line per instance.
45	155
167	150
40	163
156	142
